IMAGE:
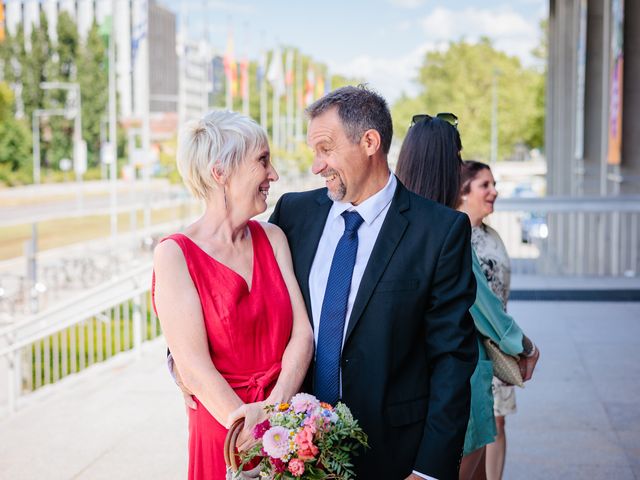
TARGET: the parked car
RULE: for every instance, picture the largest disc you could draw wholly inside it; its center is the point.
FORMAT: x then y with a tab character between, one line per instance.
533	226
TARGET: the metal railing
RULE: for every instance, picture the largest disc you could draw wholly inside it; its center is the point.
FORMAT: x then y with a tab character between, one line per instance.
571	236
47	347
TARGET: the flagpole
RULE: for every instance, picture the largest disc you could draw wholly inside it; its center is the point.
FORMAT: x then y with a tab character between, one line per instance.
289	92
228	65
299	98
263	90
244	73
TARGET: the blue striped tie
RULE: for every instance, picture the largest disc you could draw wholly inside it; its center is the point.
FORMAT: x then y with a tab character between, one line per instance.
334	311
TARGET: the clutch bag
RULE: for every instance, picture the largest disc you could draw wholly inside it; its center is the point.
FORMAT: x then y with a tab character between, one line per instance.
505	366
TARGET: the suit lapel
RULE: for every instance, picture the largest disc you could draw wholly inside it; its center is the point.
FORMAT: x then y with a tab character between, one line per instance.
389	237
308	245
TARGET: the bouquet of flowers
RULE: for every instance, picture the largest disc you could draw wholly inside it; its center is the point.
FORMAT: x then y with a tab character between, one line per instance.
306	439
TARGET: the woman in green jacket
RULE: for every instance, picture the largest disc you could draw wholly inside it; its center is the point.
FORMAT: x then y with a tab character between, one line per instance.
429	164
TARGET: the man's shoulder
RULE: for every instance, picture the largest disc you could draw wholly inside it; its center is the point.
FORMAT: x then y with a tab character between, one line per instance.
297	199
306	195
421	207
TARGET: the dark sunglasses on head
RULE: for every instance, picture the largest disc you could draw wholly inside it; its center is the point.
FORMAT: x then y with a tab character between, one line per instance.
450	118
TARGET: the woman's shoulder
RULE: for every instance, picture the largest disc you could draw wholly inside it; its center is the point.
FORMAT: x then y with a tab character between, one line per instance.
169	254
274	233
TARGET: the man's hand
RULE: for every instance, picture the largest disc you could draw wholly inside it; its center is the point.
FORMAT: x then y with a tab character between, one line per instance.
189	402
253	413
528	364
413	476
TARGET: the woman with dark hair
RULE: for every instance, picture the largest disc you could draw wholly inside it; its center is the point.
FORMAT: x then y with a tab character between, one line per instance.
477	196
437	139
430	165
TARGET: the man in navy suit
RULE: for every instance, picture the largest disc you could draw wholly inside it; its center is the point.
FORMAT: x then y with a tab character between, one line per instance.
387	280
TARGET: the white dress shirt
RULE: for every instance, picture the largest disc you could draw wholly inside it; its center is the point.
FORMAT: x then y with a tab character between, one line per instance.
373	211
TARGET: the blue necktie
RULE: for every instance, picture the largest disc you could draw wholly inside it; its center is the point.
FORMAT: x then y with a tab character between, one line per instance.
334	311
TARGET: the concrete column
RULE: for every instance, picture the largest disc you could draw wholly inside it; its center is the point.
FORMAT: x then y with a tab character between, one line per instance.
630	167
596	98
561	97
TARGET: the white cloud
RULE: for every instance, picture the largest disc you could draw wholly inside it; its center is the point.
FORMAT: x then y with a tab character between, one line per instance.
510	31
407	3
390	76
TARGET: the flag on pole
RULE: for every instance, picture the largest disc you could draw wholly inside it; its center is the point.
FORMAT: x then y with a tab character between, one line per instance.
327	82
310	86
244	85
320	85
139	28
260	70
275	74
230	70
262	88
288	78
1	21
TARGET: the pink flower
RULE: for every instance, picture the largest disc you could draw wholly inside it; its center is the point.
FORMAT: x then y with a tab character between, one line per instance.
311	423
296	467
275	442
304	440
260	428
303	402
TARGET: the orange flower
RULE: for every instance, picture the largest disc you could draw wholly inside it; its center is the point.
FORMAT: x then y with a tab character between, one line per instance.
326	406
283	407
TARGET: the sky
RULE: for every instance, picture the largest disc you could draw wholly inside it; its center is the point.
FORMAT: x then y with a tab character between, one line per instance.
382	41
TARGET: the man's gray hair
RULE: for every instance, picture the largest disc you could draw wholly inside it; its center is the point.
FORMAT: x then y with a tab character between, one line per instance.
360	109
221	140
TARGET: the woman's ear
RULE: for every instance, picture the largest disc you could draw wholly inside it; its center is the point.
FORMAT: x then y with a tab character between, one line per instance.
371	141
218	175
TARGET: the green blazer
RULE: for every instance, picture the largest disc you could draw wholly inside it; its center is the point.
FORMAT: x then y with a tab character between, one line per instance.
493	322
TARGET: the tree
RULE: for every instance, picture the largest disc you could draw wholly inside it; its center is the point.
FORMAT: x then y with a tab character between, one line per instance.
63	69
460	80
36	65
15	144
93	79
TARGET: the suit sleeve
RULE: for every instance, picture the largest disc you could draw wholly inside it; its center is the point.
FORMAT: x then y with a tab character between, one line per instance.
452	353
275	215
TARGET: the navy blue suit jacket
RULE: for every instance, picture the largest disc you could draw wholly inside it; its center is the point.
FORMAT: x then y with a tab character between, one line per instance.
410	346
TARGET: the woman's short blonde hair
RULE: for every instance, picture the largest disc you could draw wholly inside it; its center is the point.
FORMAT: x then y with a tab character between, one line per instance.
220	140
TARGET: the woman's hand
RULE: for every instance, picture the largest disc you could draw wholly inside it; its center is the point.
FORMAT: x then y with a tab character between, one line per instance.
528	364
253	413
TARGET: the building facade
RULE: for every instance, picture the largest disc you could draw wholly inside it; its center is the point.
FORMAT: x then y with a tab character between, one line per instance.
593	98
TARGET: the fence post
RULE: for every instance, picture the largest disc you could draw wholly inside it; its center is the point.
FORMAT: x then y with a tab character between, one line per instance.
13	380
137	326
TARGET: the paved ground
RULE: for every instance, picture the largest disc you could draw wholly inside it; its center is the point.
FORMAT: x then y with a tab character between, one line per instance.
578	419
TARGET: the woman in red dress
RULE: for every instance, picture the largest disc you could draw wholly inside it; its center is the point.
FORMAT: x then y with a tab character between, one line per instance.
225	291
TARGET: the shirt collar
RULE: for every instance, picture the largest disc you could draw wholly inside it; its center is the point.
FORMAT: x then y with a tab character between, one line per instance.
372	206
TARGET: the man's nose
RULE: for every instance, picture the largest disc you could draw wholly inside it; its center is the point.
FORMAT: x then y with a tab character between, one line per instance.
317	166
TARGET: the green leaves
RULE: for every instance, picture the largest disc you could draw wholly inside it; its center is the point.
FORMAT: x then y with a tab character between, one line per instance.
460	79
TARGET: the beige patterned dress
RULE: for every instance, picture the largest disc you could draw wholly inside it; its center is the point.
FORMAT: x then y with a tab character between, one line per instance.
496	266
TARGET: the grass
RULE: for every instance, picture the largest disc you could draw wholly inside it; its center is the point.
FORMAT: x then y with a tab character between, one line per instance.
61	232
79	346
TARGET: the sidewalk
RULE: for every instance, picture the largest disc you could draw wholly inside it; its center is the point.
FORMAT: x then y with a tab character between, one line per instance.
578	419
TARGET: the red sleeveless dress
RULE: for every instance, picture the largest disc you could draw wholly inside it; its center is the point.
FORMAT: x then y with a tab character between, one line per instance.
248	332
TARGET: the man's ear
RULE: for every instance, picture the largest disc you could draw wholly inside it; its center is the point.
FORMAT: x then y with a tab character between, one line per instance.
371	141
